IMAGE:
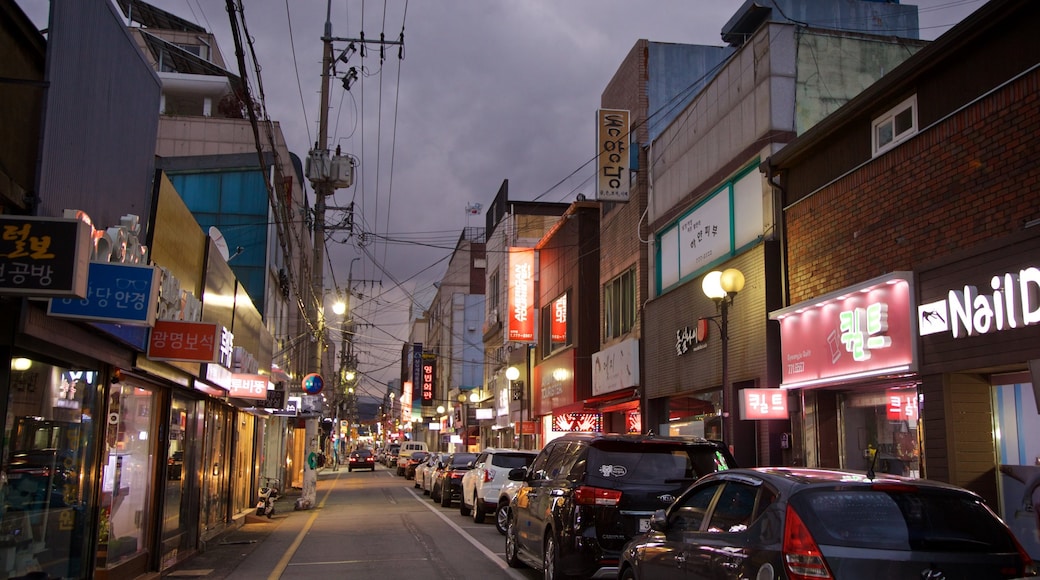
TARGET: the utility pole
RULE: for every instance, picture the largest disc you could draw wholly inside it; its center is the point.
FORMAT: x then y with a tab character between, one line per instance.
326	173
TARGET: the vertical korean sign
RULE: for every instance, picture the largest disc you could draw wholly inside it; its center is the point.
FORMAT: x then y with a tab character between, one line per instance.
612	161
521	295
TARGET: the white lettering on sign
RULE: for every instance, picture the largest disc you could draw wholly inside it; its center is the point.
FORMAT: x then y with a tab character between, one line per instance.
1014	302
862	328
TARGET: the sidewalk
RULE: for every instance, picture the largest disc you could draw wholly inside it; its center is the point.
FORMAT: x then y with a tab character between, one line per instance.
235	551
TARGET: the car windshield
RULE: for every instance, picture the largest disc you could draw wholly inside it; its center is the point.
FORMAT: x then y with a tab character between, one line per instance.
512	460
897	519
656	463
362	453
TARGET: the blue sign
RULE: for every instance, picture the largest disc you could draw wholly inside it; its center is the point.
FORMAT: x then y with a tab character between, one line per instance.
117	293
313	383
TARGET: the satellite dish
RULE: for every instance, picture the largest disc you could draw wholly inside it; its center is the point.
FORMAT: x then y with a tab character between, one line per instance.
218	239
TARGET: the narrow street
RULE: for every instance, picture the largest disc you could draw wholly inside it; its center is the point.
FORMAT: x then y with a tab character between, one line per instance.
367	525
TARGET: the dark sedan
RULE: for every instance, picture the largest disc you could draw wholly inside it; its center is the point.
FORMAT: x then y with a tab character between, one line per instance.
447	483
791	523
361	459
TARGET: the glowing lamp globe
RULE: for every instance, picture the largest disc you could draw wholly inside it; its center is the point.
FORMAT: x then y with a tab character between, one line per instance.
313	383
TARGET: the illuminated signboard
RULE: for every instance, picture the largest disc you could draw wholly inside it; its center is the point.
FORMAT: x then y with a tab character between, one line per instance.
186	341
428	375
1009	302
246	386
584	422
44	256
558	320
901	405
521	295
855	333
761	404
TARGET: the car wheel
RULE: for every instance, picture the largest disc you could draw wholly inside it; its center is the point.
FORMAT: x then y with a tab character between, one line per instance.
349	469
512	547
478	510
434	495
628	574
445	497
551	559
463	508
502	518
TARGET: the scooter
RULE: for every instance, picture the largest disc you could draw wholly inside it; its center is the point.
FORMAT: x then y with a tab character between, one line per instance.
268	495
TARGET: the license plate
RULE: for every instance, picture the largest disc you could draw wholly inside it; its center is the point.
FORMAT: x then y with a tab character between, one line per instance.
644	525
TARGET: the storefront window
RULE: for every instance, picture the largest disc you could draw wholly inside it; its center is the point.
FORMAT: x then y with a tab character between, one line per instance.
180	513
698	415
884	423
1017	417
127	474
44	498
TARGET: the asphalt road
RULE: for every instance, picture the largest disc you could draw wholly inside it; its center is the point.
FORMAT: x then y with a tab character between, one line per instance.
366	526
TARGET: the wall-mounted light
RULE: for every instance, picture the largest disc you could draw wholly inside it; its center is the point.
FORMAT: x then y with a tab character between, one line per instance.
21	364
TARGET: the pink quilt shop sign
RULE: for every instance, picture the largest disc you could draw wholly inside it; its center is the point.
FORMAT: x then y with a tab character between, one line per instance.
859	332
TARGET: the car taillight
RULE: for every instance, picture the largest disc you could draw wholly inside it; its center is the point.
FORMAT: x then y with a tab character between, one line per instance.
586	495
489	475
1028	567
455	474
802	557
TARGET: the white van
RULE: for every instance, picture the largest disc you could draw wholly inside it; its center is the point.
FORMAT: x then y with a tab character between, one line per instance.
407	448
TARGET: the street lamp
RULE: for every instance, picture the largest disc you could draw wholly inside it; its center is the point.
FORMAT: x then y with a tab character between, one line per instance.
722	287
513	373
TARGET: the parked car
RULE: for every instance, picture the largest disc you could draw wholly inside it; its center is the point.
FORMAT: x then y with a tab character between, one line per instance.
413	462
405	453
505	498
361	459
447	479
482	484
391	455
41	478
586	494
781	522
424	472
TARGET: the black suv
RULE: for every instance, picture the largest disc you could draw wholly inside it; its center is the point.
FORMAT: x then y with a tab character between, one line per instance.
586	494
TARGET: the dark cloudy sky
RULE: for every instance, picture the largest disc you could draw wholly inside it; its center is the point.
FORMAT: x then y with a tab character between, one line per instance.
488	90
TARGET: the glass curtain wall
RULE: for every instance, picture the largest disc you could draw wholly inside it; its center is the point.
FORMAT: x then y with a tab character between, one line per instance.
127	473
180	513
50	433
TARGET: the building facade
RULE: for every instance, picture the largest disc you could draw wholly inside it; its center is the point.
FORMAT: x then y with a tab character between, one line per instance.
932	224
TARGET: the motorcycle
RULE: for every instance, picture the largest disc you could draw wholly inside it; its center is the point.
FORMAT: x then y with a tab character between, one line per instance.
268	495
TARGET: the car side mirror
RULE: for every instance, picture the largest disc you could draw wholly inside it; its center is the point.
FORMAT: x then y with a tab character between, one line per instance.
659	521
517	474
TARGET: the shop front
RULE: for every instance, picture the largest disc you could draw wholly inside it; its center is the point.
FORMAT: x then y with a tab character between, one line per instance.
615	387
696	354
979	325
849	359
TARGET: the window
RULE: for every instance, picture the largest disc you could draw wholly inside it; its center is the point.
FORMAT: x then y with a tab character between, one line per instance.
619	305
492	296
895	126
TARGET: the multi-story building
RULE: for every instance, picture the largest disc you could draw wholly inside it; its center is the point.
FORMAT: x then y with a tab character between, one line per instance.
453	350
89	321
911	332
707	363
510	325
252	205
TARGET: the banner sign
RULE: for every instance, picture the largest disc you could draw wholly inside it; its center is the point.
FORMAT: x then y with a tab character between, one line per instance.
45	257
245	386
428	375
859	331
612	156
185	341
116	293
521	295
274	399
763	404
586	422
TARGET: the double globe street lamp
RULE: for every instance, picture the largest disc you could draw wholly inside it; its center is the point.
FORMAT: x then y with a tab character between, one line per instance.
722	287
